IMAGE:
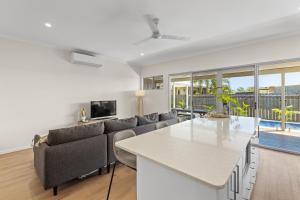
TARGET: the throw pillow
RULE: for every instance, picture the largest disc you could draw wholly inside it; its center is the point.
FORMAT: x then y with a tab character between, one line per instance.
147	119
120	124
166	116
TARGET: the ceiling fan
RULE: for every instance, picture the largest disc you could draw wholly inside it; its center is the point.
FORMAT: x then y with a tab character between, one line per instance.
153	24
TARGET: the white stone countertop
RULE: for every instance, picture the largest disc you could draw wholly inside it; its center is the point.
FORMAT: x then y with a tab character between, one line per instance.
204	149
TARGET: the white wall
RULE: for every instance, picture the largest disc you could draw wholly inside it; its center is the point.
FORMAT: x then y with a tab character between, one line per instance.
264	51
41	90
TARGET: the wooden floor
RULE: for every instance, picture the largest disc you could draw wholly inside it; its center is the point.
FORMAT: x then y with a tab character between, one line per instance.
278	176
278	179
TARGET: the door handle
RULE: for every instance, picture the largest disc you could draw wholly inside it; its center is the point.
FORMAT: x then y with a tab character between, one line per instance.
238	179
234	185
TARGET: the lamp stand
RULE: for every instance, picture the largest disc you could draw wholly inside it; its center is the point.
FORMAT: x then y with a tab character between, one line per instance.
140	104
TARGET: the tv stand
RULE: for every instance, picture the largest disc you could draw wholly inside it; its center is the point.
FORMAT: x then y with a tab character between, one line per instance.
96	120
103	118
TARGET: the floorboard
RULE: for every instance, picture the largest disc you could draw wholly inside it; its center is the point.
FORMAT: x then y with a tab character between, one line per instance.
278	179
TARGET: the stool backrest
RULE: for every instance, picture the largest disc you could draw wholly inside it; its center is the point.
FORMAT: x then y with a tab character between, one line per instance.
121	155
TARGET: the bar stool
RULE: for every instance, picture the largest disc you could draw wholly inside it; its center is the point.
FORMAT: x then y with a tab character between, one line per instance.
122	156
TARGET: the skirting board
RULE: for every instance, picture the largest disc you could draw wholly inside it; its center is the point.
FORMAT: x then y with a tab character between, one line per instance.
5	151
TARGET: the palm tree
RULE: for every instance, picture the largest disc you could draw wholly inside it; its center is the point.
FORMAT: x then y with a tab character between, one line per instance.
288	112
200	82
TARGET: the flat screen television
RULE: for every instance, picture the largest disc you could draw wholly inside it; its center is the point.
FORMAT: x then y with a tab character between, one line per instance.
103	108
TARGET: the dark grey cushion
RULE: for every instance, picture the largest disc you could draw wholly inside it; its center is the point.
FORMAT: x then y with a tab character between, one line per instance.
172	121
147	119
64	135
166	116
144	128
120	124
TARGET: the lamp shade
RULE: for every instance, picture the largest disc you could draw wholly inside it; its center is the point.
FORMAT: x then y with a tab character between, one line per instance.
140	93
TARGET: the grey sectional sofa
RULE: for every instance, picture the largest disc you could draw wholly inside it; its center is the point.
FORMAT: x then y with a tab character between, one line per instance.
72	152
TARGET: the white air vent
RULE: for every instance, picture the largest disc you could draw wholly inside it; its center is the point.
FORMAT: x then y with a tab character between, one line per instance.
83	58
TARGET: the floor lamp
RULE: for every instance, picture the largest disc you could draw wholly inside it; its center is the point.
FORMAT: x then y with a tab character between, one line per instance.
140	101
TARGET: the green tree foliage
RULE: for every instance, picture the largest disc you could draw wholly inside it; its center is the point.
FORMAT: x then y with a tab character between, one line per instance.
181	104
226	96
242	89
288	112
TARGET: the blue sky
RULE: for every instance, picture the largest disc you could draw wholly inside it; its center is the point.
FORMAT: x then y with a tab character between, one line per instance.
265	80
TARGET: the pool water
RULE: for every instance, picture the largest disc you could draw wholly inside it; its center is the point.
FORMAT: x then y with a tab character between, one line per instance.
270	123
280	142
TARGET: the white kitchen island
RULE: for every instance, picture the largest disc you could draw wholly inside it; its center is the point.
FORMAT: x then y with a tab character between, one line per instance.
209	159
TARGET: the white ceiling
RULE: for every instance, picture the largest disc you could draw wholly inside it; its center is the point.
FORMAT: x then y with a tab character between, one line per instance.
111	27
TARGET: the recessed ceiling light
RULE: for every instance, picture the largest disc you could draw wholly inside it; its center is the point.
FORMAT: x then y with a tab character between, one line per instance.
142	54
299	8
48	25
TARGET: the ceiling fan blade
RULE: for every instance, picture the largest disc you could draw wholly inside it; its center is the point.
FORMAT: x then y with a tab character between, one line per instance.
152	22
174	37
142	41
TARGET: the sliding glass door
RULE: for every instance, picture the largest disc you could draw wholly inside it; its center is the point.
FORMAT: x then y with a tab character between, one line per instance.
279	96
230	91
204	98
292	99
238	91
268	91
279	109
270	98
180	95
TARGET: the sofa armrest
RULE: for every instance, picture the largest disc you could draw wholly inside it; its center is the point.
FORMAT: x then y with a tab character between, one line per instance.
39	161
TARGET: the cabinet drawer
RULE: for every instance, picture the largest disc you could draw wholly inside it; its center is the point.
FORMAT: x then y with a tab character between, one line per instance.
247	187
254	155
253	176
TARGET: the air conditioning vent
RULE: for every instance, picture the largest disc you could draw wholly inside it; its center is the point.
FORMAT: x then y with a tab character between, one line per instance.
86	58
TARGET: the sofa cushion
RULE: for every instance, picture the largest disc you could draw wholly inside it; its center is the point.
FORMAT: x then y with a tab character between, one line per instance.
147	119
64	135
144	128
120	124
172	121
166	116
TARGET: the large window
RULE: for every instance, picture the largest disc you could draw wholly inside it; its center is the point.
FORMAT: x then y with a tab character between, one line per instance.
153	83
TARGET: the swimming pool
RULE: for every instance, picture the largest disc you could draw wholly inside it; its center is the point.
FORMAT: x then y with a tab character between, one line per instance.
271	123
